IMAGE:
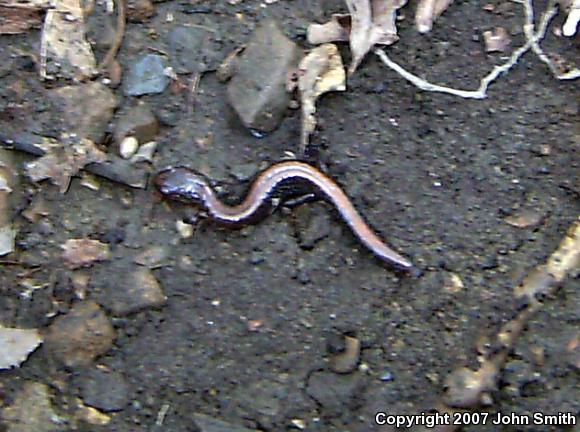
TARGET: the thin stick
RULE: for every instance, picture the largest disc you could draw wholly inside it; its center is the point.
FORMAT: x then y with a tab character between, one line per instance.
114	48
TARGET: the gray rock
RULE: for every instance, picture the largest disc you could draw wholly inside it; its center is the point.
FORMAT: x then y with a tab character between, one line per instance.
77	338
146	76
335	393
263	401
85	109
192	50
137	290
152	257
104	390
140	122
257	90
206	423
31	410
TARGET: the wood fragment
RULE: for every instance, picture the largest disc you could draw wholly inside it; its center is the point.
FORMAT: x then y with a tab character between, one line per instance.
16	20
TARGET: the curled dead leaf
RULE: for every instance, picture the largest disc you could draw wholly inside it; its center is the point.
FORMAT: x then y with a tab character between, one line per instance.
372	23
427	12
369	23
319	72
335	30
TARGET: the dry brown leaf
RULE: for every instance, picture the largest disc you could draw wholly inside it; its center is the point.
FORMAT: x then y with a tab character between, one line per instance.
428	11
319	72
83	252
335	30
64	159
370	23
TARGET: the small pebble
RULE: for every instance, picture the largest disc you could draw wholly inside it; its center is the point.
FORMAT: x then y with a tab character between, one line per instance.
387	376
185	230
298	423
128	147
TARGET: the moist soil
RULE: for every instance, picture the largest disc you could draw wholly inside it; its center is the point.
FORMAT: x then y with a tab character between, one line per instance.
253	316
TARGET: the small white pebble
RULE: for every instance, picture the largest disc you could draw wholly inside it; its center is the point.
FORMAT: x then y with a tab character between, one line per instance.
298	423
364	368
128	147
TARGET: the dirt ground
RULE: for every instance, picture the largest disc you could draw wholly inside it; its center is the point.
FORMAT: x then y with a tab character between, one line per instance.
436	175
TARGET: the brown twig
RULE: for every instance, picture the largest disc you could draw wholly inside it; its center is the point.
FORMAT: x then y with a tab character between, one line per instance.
114	48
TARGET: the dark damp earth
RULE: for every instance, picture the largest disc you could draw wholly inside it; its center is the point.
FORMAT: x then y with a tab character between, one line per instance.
254	317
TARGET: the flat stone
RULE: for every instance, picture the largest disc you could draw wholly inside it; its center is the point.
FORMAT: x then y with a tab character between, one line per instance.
257	91
206	423
139	122
263	401
192	49
146	76
335	393
16	344
77	338
85	109
31	411
104	390
138	290
153	257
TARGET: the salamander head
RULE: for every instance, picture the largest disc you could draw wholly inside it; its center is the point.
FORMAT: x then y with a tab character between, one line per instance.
182	184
